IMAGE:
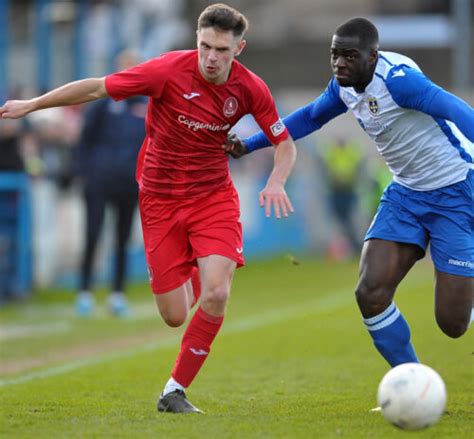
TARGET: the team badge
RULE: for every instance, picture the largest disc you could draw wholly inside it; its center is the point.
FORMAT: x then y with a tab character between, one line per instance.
373	105
230	106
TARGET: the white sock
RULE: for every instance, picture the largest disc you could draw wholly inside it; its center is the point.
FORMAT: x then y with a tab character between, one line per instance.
85	293
171	386
86	296
472	315
117	293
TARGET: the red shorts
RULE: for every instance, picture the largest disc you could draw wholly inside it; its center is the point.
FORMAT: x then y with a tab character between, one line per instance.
176	232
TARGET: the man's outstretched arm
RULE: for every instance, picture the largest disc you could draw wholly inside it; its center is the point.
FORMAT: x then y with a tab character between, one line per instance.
77	92
300	123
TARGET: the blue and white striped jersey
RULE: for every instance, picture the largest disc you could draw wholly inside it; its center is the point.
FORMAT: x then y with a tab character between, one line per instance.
424	133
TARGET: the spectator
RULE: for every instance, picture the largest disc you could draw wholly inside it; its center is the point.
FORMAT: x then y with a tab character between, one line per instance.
342	161
15	215
107	152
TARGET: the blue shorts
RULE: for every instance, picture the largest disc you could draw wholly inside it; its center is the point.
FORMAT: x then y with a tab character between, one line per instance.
443	216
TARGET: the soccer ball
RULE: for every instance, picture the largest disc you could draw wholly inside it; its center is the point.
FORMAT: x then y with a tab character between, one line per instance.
412	396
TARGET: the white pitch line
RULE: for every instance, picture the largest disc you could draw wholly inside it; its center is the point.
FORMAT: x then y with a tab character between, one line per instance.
9	332
15	331
333	301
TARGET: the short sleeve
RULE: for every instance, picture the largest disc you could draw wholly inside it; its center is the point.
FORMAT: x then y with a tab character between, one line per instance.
410	88
147	79
265	113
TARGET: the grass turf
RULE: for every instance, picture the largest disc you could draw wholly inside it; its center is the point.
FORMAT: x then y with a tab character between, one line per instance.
293	361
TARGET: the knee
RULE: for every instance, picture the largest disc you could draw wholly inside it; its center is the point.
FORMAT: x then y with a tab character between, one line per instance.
451	327
372	296
215	298
174	319
368	292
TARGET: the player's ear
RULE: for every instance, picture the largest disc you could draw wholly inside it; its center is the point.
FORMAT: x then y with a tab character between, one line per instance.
373	55
240	47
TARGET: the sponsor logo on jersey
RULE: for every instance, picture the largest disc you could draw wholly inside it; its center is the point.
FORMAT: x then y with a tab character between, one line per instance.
373	105
375	127
466	264
230	106
195	125
278	127
191	95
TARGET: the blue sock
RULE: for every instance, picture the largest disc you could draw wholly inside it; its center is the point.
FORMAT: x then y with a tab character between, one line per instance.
391	335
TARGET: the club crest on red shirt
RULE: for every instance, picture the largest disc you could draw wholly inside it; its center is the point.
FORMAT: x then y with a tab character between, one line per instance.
230	106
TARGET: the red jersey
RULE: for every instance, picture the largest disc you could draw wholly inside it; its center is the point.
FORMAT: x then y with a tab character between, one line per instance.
188	120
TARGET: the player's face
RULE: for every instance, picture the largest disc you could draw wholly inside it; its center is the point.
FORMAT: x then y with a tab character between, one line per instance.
217	49
352	65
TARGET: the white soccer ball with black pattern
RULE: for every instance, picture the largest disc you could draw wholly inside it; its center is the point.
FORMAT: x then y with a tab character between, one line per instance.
412	396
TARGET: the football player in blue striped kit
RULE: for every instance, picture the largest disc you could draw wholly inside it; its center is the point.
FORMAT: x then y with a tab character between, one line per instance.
425	134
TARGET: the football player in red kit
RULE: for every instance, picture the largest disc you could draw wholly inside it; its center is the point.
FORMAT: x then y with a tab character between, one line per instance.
188	205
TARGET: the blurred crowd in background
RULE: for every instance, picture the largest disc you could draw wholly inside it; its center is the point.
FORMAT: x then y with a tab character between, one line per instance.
338	178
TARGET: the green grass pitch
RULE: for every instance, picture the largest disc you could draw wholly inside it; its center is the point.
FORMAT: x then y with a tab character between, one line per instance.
293	360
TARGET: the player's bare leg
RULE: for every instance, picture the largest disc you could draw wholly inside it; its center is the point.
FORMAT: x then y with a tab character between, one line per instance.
174	305
383	265
453	303
216	279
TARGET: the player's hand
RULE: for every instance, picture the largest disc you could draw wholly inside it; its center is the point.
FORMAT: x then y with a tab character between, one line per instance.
235	146
274	195
16	109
